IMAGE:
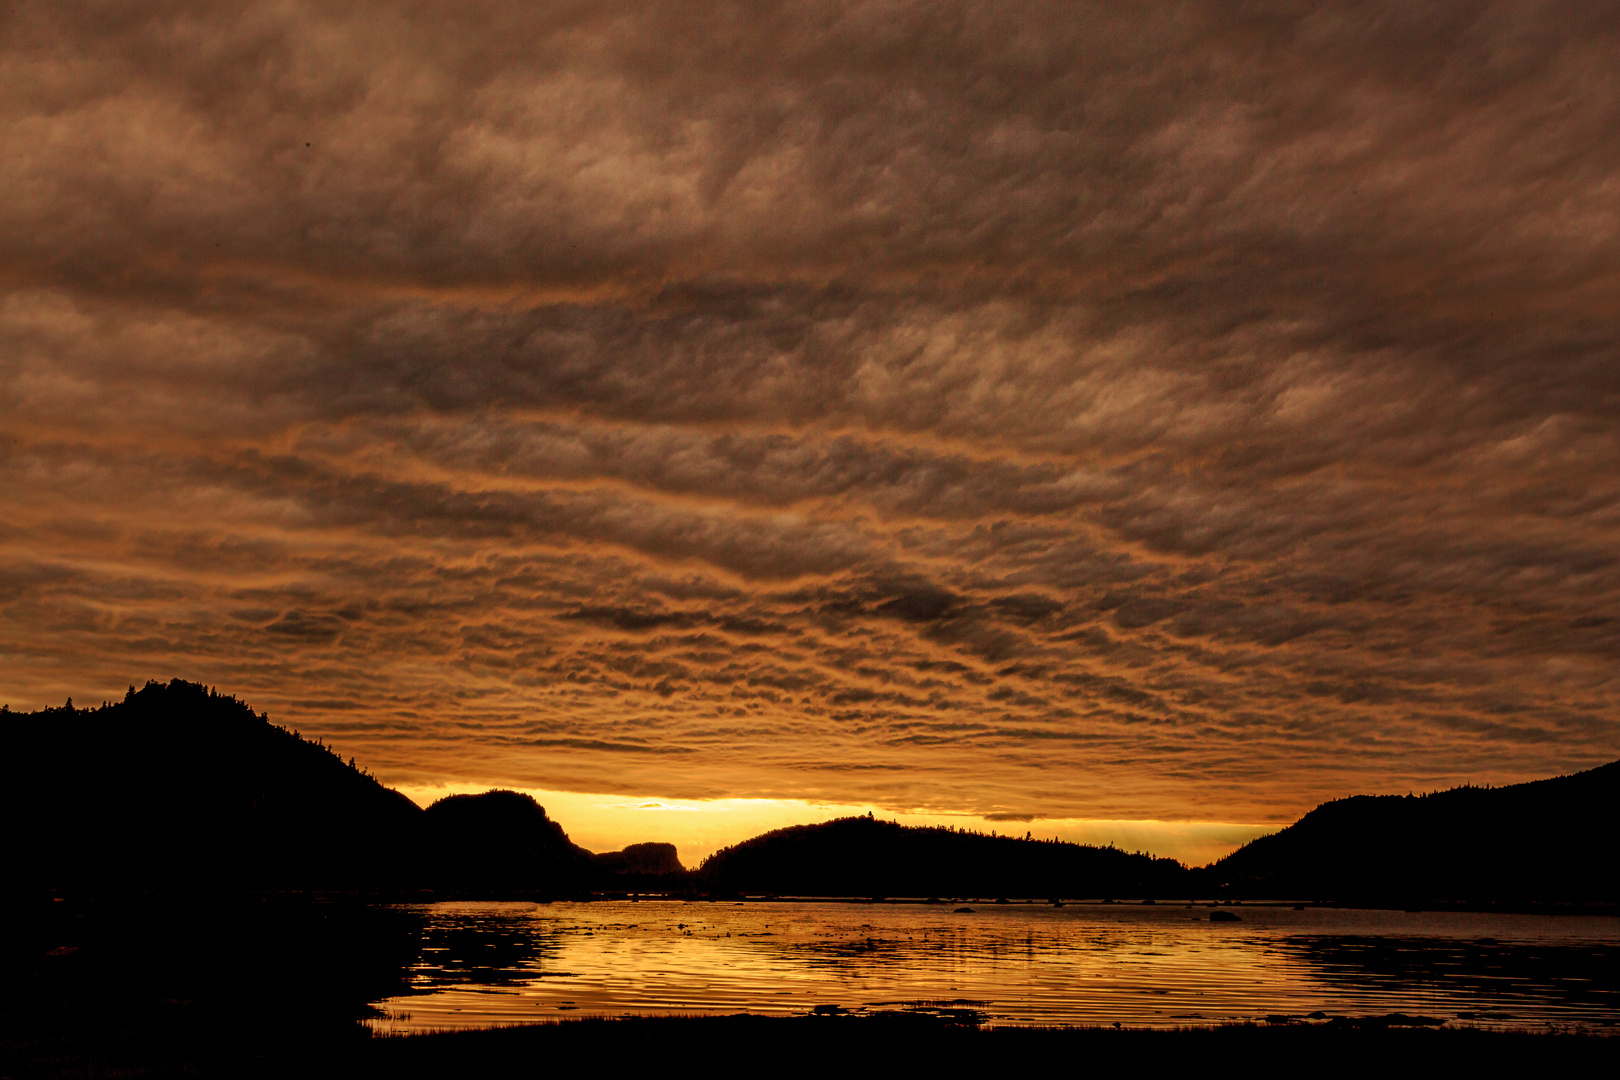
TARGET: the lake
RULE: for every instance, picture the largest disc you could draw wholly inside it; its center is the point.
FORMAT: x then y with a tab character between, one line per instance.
485	964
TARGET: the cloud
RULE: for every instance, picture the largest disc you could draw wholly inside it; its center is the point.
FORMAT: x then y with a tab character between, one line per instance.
1045	409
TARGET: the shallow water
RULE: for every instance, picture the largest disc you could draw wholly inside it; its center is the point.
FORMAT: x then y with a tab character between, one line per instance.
1138	965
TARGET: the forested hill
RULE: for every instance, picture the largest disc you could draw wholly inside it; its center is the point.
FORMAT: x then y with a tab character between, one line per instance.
1544	840
179	786
861	856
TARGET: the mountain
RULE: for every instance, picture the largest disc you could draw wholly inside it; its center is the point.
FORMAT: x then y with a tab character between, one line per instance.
180	787
1543	840
862	856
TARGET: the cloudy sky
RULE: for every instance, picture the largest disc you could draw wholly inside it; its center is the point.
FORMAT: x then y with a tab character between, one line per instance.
1053	411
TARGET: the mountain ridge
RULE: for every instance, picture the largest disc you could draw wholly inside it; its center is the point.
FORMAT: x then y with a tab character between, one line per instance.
1546	837
866	856
179	786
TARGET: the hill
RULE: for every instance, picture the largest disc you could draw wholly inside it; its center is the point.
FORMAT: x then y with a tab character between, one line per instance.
497	843
1543	840
644	859
861	856
180	787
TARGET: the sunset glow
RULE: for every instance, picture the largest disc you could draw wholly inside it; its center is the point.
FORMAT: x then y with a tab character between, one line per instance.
1129	425
699	827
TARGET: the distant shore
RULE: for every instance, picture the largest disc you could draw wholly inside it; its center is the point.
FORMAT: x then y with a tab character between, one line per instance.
1529	907
1516	907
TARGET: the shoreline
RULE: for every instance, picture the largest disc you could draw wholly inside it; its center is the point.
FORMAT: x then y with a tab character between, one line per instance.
135	989
798	1045
20	905
1529	907
910	1042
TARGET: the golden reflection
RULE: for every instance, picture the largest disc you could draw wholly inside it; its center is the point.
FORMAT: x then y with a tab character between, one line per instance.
1023	963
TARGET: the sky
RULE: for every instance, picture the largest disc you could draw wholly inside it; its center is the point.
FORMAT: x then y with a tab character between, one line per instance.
1134	422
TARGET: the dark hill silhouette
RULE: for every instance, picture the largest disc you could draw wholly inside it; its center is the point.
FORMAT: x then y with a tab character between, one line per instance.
861	856
643	859
180	787
1544	840
642	867
500	842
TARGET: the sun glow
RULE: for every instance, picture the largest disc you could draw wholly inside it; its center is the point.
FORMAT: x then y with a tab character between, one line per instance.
700	827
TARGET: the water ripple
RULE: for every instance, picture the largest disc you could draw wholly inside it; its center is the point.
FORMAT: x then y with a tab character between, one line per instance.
491	964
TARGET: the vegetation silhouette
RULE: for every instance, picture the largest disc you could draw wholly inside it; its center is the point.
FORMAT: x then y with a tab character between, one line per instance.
179	787
1546	840
500	843
864	856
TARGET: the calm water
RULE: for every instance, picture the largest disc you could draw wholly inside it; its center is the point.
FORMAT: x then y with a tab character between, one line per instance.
486	964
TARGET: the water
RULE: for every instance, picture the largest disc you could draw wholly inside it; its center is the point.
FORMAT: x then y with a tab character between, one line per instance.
486	964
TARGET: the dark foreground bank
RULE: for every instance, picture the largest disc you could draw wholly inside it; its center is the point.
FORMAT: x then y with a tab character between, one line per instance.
895	1044
900	1045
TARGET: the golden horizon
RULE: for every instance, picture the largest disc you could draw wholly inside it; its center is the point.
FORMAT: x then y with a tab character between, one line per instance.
700	827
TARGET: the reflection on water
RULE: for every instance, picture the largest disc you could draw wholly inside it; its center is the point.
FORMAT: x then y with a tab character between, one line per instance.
485	964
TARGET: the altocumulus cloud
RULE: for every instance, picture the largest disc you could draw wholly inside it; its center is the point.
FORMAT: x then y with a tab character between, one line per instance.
1055	409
